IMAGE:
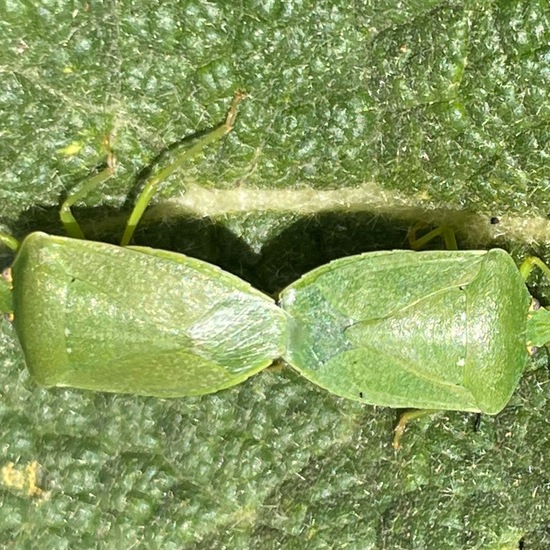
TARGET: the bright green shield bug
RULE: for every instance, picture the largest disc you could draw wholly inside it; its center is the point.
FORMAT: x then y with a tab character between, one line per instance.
133	319
445	330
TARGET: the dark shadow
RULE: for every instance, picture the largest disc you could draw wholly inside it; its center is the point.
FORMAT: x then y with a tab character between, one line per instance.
309	242
316	240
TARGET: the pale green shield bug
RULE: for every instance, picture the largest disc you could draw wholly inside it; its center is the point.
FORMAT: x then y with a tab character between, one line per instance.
133	319
444	330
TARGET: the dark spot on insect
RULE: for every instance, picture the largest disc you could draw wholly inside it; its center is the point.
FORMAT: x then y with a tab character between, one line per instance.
477	422
494	220
461	287
73	279
361	394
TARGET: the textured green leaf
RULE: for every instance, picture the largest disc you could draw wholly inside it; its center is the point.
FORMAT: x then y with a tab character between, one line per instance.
362	118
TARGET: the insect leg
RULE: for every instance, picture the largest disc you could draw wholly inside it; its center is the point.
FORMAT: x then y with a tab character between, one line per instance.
6	285
72	227
6	303
9	241
444	231
528	265
404	419
152	184
538	320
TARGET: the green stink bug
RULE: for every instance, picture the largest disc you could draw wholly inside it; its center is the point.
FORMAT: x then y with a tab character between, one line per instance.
133	319
88	316
444	330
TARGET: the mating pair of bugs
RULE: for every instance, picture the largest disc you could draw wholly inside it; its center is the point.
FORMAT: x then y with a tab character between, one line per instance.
444	330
